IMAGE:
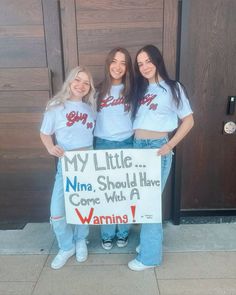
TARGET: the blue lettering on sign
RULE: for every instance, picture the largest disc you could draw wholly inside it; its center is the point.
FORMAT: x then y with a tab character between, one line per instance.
77	186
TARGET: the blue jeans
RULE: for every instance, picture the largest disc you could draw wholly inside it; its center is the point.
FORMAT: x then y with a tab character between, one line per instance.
109	231
151	235
66	234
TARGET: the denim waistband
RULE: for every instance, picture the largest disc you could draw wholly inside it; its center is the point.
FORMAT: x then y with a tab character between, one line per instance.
127	140
148	141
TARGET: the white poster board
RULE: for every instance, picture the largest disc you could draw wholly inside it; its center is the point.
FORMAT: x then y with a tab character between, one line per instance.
112	186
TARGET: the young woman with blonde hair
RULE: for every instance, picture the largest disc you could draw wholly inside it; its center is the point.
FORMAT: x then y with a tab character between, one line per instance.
70	117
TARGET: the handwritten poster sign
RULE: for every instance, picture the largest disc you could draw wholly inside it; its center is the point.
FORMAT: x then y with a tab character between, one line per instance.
112	186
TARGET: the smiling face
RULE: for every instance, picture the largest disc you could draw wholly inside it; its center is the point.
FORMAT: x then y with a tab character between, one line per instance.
117	68
80	86
147	69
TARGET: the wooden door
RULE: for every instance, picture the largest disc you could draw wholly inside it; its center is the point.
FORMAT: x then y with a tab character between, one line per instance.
31	68
29	71
208	67
92	28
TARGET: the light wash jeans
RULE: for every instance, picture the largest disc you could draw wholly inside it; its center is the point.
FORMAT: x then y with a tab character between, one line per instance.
109	231
151	235
66	234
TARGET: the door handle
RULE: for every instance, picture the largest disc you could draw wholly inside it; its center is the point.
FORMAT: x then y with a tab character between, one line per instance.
231	105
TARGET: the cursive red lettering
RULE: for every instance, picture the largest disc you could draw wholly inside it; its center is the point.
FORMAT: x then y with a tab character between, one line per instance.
73	117
111	101
147	99
153	106
89	125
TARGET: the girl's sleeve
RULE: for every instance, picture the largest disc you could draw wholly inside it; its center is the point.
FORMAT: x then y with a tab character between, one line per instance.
184	109
48	124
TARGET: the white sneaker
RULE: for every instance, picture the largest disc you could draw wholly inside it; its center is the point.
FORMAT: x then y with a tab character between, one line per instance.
122	242
107	244
61	258
81	251
138	266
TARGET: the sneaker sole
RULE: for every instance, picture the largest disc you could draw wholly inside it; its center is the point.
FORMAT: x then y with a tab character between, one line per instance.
60	266
82	260
141	269
121	245
107	248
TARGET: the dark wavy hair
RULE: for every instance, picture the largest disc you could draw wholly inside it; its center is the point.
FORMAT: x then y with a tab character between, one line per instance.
141	83
128	79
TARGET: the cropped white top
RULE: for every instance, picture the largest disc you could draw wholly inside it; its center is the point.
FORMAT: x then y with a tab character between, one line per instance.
158	111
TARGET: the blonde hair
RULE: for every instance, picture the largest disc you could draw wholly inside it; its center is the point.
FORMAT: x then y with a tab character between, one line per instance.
64	94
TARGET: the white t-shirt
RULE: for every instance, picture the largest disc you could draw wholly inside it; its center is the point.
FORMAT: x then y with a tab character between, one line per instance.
158	111
73	124
114	119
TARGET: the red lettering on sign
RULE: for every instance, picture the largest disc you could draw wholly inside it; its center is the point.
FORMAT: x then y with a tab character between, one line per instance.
85	219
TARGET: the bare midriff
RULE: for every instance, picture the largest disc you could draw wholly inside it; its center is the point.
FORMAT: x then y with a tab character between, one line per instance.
148	134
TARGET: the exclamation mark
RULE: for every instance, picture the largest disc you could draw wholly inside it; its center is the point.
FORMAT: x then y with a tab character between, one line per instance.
133	208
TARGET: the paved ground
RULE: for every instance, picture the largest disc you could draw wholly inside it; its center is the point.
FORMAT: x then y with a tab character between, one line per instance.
199	259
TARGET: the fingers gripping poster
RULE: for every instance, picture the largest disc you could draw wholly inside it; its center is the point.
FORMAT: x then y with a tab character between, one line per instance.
112	186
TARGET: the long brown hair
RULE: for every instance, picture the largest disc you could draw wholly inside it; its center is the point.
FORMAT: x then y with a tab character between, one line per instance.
128	80
156	58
